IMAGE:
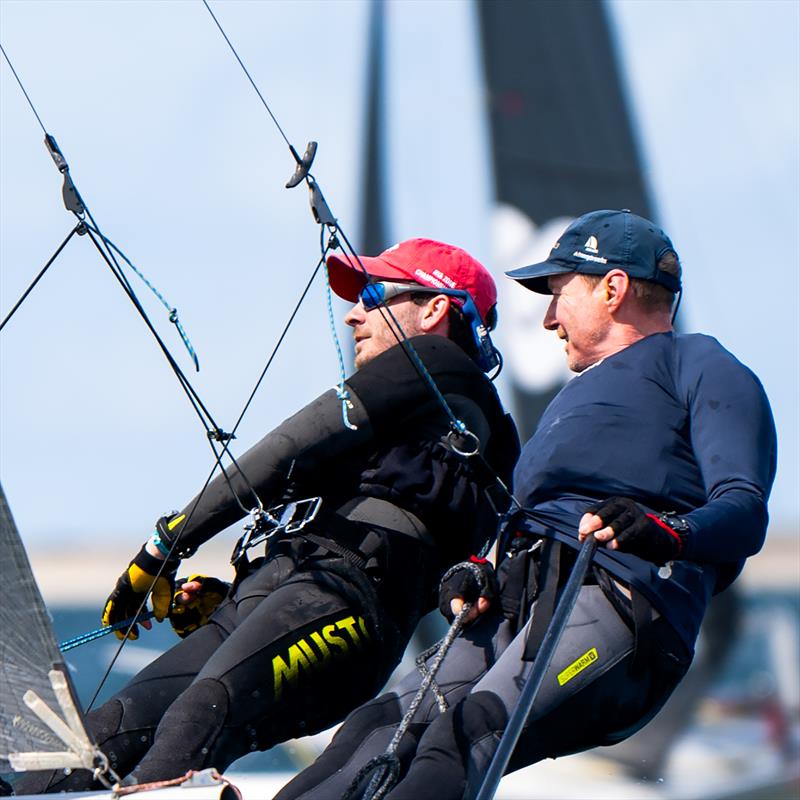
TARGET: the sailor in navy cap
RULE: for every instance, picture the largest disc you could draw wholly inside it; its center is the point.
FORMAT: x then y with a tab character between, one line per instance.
663	448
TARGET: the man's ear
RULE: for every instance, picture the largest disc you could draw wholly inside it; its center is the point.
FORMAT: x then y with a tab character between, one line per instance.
434	314
615	285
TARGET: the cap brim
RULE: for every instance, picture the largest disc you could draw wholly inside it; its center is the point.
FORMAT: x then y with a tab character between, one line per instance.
534	277
348	278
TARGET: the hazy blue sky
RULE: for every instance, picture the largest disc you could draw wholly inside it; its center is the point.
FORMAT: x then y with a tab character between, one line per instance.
183	169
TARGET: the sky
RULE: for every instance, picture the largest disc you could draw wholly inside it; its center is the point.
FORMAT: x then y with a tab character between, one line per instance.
183	169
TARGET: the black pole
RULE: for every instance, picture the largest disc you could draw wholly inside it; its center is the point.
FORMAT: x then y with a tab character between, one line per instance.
540	665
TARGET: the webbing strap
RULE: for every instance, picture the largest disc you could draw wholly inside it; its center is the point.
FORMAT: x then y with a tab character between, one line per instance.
642	620
550	566
346	553
639	615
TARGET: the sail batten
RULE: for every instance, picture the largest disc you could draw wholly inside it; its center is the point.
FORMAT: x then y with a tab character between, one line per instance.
33	677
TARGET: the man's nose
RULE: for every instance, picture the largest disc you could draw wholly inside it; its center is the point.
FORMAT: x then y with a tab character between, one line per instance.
550	322
355	315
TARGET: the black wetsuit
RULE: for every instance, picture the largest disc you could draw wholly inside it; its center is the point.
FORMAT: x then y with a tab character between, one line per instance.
315	628
673	422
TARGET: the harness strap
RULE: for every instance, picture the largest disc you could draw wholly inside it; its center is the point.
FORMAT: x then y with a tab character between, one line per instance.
346	553
637	613
642	622
550	566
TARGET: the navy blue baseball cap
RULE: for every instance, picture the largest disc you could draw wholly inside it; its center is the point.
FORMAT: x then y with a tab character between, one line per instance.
601	241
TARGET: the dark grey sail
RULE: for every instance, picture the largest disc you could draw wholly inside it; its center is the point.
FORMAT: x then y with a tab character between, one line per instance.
40	725
562	144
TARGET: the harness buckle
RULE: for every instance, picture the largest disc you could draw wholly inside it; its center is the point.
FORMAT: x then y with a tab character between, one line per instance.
264	525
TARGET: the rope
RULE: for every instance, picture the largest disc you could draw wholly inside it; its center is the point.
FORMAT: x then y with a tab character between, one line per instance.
341	390
98	633
77	229
388	762
30	102
108	250
400	337
173	312
458	426
385	311
252	82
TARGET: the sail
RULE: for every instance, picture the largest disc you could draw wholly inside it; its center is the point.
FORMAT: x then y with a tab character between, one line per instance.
562	144
40	726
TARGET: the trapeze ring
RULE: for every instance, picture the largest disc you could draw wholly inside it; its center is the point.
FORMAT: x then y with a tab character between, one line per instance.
458	441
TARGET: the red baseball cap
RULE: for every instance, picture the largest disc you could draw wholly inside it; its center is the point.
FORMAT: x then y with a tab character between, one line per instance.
423	261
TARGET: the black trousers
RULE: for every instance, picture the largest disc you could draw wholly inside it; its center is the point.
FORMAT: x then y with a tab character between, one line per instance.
289	654
593	694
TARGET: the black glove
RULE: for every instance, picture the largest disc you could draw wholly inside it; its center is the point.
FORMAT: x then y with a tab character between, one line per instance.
654	538
468	580
134	584
193	614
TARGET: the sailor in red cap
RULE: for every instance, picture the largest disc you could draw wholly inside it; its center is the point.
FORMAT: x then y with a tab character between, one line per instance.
315	624
422	270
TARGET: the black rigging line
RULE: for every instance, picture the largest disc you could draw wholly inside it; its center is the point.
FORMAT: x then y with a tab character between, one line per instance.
30	103
253	84
280	340
324	217
106	248
80	229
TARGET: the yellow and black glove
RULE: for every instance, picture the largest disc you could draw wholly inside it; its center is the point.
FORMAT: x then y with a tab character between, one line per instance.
186	616
134	584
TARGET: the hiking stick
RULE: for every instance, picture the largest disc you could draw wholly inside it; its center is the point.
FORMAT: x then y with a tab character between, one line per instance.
542	661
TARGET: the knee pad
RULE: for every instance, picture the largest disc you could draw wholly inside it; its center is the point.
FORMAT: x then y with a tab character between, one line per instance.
205	705
480	714
106	721
188	734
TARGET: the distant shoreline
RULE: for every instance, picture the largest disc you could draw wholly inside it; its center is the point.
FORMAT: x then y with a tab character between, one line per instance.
78	577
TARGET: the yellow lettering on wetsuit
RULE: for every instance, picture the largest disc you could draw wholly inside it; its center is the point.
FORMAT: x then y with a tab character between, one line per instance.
301	656
291	672
332	638
322	646
575	667
349	624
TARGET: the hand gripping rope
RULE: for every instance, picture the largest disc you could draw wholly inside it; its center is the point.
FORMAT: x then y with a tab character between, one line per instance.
461	439
386	767
90	636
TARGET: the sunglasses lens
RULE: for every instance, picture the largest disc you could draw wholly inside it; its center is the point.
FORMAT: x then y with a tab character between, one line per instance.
371	295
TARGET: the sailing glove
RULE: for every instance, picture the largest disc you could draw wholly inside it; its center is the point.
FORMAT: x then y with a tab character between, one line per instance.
141	577
657	538
189	615
468	580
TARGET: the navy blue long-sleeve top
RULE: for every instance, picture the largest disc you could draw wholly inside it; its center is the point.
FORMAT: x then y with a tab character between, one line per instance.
676	423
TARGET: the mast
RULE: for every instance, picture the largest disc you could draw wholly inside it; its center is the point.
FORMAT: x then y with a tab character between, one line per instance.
374	211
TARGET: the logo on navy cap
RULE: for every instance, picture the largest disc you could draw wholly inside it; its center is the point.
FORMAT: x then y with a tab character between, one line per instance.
592	249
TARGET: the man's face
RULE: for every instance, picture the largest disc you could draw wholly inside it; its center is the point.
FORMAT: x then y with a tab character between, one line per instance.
371	332
577	312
